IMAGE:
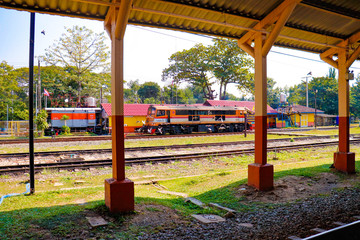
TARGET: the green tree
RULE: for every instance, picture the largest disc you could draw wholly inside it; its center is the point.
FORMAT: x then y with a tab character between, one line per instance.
149	90
13	93
326	97
191	66
80	50
41	122
355	98
273	93
64	118
131	93
230	64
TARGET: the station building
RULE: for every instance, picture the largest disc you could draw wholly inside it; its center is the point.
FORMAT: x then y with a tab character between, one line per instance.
134	115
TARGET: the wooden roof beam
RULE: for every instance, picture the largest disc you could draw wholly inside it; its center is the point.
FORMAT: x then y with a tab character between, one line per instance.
327	56
99	2
122	18
162	13
272	17
278	27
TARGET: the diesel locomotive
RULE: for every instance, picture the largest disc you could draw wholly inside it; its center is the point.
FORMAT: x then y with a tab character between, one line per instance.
187	119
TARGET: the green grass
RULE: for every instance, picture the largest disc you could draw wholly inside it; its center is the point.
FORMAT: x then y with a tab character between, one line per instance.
58	212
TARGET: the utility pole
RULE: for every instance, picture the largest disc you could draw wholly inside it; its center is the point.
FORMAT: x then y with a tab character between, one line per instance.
315	108
39	84
307	90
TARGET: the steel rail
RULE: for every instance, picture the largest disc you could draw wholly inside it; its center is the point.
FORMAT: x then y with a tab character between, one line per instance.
156	159
108	150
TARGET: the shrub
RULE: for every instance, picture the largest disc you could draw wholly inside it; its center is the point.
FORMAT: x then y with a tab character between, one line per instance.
65	130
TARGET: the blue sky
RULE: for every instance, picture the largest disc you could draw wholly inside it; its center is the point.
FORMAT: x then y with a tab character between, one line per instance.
146	49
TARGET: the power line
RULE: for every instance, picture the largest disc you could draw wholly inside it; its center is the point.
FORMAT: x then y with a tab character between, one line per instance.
211	37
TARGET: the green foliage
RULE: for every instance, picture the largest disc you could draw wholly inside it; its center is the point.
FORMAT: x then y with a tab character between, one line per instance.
273	93
149	90
326	97
80	51
191	66
13	93
355	98
64	118
229	64
41	121
65	130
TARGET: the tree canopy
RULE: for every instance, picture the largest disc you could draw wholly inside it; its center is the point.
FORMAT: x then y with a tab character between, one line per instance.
80	51
230	64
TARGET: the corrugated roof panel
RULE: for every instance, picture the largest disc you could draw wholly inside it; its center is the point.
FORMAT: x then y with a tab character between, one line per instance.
323	21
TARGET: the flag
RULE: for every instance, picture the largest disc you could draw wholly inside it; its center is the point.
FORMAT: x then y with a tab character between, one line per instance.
46	93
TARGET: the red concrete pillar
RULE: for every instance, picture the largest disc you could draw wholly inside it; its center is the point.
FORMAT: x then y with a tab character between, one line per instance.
119	191
344	160
260	174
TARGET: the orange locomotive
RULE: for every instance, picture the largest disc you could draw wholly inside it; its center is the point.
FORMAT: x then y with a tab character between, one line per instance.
187	119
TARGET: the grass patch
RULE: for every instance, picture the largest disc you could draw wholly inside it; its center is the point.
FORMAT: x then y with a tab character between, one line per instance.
58	212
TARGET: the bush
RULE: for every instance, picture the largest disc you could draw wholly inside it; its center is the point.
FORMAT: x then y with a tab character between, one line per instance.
65	130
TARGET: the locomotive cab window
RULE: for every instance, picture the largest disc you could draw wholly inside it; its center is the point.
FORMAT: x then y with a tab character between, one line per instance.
151	111
160	113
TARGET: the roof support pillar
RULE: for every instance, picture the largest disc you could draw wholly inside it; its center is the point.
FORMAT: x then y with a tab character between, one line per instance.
119	191
344	160
261	174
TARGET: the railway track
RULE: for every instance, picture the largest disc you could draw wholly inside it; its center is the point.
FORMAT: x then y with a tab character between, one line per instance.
154	148
145	136
108	138
156	159
350	231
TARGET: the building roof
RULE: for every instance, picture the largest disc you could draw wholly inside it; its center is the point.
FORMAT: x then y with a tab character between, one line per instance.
248	104
303	109
313	26
129	109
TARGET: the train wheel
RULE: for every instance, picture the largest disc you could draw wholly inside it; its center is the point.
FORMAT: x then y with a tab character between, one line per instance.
189	130
231	128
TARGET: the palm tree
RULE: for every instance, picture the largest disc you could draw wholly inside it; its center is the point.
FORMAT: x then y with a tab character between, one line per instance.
64	118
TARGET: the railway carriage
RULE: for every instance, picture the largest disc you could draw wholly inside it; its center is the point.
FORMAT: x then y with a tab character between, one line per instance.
187	119
80	119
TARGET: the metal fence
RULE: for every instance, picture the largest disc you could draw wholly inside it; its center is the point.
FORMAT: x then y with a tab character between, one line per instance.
14	128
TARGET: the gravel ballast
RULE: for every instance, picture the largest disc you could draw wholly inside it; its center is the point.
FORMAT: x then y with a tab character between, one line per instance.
277	222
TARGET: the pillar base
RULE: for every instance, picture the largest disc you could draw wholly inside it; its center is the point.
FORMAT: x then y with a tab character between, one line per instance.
344	161
119	195
261	176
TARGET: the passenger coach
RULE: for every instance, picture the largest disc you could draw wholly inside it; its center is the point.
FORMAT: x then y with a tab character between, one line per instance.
187	119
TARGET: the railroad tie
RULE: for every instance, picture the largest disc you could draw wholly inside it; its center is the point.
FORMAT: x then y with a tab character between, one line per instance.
318	230
294	238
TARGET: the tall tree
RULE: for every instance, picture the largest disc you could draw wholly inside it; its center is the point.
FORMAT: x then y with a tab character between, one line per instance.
81	50
13	93
273	93
230	64
191	66
149	90
355	98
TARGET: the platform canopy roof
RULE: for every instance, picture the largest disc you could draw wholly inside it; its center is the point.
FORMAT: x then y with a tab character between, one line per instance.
314	25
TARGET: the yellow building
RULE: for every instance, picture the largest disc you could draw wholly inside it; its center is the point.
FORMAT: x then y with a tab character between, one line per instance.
297	116
134	116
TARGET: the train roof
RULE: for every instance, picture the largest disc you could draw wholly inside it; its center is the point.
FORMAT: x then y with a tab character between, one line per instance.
197	107
71	109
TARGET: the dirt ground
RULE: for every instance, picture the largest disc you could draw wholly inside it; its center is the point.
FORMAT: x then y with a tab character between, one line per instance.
286	189
291	188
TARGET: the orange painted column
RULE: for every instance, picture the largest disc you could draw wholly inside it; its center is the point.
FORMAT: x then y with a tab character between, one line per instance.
119	191
260	174
344	160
